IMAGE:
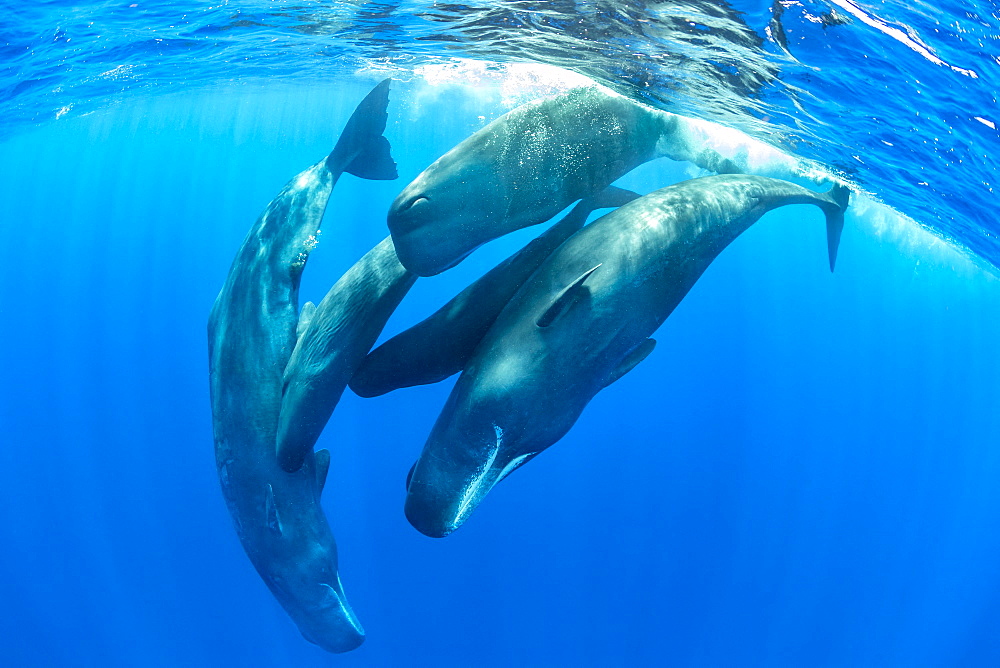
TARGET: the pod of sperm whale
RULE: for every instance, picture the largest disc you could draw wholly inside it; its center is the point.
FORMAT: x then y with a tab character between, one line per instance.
581	322
251	333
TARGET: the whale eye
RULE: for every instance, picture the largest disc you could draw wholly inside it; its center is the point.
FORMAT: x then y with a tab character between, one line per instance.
413	202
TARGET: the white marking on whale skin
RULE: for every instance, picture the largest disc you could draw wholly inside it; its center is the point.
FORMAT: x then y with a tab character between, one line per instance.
306	179
472	491
271	512
335	600
514	464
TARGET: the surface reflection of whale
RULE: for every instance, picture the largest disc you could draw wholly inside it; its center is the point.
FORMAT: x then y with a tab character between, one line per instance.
440	346
578	324
527	166
251	333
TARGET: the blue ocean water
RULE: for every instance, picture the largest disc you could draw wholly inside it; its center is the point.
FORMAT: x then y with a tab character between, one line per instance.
802	474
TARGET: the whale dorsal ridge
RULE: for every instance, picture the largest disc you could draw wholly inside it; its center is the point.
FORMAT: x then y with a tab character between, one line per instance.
322	468
631	361
565	299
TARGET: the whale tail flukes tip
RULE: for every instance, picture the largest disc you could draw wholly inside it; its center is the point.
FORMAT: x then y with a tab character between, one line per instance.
840	196
362	146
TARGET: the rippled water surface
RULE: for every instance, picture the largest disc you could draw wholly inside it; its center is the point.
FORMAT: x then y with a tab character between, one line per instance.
899	97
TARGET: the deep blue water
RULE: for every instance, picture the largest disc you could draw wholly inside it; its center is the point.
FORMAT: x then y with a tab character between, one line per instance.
802	474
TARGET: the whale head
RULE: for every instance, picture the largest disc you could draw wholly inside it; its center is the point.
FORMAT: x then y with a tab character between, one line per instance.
497	418
317	605
447	212
500	179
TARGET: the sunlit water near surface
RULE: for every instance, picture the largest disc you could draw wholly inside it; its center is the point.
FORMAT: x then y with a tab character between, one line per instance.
803	473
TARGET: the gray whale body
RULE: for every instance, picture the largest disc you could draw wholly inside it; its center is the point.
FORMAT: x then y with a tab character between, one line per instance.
581	322
251	334
527	166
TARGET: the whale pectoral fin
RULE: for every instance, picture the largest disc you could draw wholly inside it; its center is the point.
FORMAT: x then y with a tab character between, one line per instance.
631	361
409	475
305	317
565	299
361	146
322	468
271	512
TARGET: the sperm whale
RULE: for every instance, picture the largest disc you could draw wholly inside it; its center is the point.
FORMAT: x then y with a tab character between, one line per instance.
252	330
582	321
529	164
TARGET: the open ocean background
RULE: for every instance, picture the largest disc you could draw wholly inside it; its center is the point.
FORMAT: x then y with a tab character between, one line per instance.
804	472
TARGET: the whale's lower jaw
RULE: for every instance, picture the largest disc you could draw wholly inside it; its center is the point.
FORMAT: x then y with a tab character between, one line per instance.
412	249
435	515
336	628
332	639
427	517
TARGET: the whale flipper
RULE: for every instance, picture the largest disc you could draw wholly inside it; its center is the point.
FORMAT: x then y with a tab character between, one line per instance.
565	298
362	150
631	361
409	475
322	468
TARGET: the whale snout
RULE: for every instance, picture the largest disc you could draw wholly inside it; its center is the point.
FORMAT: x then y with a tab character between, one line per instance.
439	502
430	511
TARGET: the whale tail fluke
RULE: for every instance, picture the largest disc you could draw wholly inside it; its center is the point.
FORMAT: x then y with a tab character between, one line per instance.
839	195
362	150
